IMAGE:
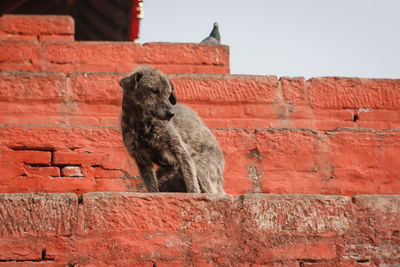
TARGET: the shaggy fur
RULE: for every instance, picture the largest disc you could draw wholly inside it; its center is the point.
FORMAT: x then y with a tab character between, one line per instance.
155	130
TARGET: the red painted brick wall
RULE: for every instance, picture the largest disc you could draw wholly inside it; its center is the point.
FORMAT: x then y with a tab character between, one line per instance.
59	133
273	141
46	43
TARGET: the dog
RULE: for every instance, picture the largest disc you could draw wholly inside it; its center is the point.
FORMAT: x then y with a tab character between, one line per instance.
157	130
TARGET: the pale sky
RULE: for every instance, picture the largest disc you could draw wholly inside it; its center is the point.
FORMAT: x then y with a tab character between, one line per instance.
310	38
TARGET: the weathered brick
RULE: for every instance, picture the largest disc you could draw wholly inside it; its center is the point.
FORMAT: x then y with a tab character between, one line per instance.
100	172
61	137
364	160
16	250
71	158
184	53
339	93
38	214
118	184
42	171
36	25
43	87
294	90
378	220
72	171
96	88
294	182
379	216
236	145
19	55
187	229
283	149
185	212
112	57
296	214
90	56
225	89
33	157
307	251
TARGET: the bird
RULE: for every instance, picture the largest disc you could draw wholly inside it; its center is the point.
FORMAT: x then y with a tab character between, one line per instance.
214	37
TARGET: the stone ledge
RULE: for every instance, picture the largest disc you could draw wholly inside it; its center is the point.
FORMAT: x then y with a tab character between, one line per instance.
137	228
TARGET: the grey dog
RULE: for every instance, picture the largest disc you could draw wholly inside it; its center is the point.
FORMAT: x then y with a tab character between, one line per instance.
157	130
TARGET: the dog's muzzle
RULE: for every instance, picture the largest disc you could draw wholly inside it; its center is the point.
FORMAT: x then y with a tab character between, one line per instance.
169	115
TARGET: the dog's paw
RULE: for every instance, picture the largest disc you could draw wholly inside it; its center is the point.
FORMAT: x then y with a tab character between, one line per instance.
195	189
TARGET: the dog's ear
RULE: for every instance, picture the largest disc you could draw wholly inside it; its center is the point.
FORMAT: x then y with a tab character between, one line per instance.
130	82
172	96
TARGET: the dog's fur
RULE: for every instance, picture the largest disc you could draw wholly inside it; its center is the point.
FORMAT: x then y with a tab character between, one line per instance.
155	130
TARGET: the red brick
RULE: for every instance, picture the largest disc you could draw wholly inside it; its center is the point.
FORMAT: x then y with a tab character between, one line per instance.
185	212
261	111
56	37
238	123
36	25
85	121
43	87
92	109
100	172
61	138
38	214
169	68
96	88
294	90
116	160
236	145
80	146
119	185
364	160
300	215
184	53
16	107
293	182
311	251
42	171
339	93
90	56
36	119
71	158
33	157
13	251
382	210
283	149
19	55
112	57
225	89
378	220
71	171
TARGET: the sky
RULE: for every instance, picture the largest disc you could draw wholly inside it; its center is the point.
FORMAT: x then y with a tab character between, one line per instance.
309	38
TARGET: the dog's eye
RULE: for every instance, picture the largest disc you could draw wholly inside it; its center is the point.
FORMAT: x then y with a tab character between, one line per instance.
155	91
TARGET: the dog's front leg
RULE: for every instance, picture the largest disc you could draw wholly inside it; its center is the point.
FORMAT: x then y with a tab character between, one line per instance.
147	173
189	173
187	166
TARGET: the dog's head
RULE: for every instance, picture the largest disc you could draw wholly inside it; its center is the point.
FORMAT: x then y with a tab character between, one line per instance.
149	89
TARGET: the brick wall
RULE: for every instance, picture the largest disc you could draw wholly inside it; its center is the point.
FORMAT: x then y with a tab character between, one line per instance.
330	138
127	229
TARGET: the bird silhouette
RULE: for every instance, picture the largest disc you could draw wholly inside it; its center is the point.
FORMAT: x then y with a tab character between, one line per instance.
214	37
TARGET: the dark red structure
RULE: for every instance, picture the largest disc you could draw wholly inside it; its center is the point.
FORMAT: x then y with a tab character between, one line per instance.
105	20
136	15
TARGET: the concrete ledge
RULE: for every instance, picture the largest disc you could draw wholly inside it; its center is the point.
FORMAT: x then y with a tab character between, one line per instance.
188	229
